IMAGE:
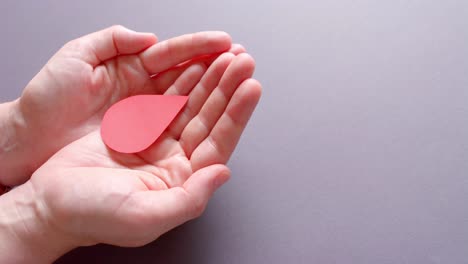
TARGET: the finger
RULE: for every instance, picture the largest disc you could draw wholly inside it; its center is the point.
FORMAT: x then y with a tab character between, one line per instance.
219	145
237	49
203	184
200	93
240	69
167	209
172	52
187	80
163	147
108	43
159	83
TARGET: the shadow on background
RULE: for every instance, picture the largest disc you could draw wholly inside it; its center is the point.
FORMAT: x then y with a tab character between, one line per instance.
177	246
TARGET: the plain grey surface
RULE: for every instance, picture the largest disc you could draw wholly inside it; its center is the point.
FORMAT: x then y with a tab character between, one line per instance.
358	152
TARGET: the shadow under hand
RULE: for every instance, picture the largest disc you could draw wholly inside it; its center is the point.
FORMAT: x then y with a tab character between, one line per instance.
189	243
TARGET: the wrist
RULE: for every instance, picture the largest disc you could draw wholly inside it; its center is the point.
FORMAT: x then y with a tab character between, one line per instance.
26	235
15	153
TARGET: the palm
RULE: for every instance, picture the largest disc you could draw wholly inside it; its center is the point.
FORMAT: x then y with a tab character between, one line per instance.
106	184
69	96
221	100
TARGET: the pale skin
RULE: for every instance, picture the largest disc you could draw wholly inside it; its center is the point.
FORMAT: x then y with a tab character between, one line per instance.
82	193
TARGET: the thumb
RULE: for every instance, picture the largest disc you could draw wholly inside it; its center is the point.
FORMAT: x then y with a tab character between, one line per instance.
110	42
203	184
173	207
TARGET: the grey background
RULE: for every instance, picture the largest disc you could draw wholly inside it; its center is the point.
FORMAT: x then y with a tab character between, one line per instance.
358	152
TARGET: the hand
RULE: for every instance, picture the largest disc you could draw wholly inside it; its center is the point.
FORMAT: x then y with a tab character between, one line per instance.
69	96
87	194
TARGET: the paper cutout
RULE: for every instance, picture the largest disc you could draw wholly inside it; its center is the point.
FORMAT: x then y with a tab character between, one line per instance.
133	124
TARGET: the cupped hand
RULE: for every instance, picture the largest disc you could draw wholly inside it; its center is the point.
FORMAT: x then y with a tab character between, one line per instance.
68	97
92	194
